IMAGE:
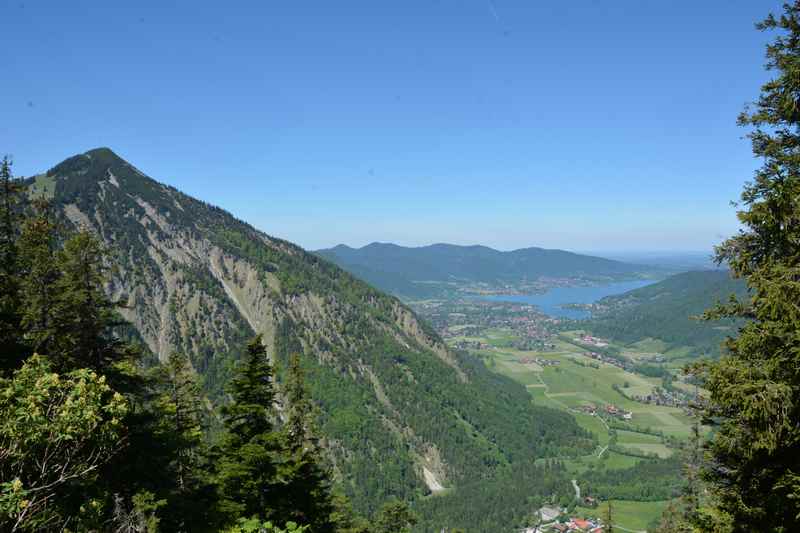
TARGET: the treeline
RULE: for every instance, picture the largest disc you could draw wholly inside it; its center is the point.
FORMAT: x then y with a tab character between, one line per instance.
648	480
92	438
651	371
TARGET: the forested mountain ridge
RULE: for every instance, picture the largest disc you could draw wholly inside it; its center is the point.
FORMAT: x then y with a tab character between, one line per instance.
397	407
664	311
417	271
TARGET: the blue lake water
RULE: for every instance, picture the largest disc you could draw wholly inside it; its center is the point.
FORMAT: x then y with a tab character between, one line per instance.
552	301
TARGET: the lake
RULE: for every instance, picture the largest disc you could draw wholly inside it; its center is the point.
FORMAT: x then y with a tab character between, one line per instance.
551	302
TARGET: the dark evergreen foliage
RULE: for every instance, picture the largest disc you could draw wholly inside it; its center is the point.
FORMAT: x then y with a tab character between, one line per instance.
10	309
648	480
248	466
754	392
306	495
84	317
39	272
504	503
395	517
191	500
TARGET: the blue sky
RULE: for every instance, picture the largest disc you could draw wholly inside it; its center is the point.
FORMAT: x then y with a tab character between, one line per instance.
603	125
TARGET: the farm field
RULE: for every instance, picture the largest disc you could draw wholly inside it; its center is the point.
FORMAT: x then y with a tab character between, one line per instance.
610	460
676	357
566	379
577	380
634	516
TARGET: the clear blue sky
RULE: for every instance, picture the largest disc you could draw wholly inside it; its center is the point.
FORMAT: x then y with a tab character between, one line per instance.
603	125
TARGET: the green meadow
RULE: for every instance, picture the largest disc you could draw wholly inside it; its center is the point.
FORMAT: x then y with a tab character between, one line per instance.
633	516
578	380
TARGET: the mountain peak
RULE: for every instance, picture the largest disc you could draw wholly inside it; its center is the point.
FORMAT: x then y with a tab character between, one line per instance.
89	169
104	153
97	157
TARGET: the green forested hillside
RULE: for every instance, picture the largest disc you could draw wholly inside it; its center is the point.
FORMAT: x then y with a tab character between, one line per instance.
428	270
663	311
96	436
399	413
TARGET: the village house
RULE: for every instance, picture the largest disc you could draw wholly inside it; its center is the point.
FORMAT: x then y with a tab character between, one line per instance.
573	525
580	524
616	412
594	341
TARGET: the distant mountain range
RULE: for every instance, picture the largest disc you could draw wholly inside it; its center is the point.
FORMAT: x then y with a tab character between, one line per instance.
663	311
677	261
427	270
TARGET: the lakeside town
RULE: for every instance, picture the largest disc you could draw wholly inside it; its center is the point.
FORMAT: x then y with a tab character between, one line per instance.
526	326
465	324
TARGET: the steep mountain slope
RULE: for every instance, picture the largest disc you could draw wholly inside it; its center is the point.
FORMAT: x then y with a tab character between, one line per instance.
421	271
663	310
397	407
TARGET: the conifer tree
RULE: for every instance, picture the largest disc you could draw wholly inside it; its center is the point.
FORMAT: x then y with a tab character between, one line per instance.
10	313
754	400
344	519
191	501
84	315
608	518
248	456
306	496
38	245
148	464
692	490
395	517
673	520
184	400
299	407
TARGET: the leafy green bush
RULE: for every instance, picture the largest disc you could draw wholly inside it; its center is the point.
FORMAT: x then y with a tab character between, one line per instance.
254	525
55	432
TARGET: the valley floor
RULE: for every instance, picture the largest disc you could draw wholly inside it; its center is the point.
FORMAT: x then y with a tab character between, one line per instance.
565	378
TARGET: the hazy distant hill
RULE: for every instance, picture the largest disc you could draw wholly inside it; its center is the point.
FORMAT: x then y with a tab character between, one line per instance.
677	261
399	410
422	271
663	310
